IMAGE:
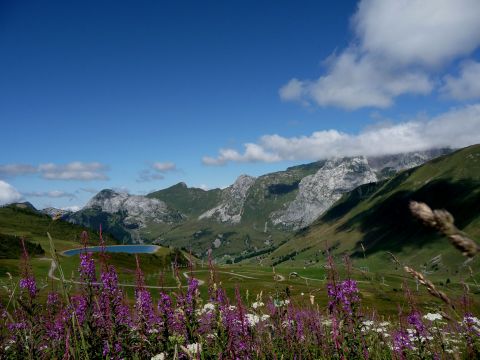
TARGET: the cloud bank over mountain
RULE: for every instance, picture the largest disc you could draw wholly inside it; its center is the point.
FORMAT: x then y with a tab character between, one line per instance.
458	127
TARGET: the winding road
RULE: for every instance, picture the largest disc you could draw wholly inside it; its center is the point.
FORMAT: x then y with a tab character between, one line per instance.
53	268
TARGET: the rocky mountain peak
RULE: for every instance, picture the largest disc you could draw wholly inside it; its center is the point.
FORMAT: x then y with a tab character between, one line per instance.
138	209
54	212
318	192
233	198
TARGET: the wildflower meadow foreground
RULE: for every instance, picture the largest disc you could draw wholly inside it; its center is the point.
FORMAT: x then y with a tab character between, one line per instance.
96	320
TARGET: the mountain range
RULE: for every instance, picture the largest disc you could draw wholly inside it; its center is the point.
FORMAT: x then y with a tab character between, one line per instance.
253	216
374	219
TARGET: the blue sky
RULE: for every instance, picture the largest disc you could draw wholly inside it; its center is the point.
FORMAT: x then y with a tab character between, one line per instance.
141	95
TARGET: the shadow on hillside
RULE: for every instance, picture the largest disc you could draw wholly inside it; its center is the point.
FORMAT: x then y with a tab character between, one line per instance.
350	200
390	226
282	189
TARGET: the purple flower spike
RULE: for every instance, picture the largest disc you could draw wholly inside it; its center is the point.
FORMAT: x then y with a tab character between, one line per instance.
87	267
30	285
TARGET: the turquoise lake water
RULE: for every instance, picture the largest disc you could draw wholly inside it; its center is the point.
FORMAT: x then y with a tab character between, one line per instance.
130	249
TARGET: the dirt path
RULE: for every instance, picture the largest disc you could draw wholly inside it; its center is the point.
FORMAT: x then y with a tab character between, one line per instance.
53	267
226	272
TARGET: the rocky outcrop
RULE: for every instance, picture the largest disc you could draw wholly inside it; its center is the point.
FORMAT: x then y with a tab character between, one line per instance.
318	192
55	213
231	206
404	161
137	210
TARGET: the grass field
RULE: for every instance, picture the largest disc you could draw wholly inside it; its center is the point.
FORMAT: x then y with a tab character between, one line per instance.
381	291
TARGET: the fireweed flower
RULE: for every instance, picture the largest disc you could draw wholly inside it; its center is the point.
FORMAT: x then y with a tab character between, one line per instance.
53	299
29	285
415	319
344	295
471	323
111	306
401	342
79	307
87	267
172	322
145	314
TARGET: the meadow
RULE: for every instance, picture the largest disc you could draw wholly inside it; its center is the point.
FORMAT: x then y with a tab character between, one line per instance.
171	305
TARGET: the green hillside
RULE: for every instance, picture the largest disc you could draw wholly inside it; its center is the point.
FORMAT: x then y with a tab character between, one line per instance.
189	201
21	221
253	235
11	247
377	216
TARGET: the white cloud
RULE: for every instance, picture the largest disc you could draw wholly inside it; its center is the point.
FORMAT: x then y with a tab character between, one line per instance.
148	175
89	190
71	171
455	128
398	48
10	170
50	194
467	85
8	193
252	153
164	166
121	189
74	171
73	208
354	81
203	187
156	171
293	90
429	32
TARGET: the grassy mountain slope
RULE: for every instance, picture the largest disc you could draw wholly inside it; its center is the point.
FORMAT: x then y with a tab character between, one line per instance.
273	191
21	221
377	216
189	201
253	234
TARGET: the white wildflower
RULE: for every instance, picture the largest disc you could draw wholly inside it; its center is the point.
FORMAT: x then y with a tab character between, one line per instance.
252	319
265	317
287	323
208	307
194	348
257	304
367	323
160	356
433	316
